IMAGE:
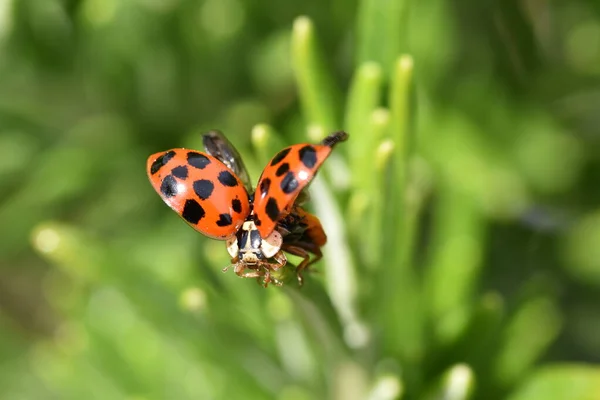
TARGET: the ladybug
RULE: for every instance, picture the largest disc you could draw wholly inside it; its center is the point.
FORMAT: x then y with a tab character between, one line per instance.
213	193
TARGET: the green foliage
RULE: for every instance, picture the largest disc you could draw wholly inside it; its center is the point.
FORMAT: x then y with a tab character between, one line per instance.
462	214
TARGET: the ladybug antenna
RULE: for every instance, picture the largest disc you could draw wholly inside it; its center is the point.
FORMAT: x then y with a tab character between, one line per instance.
334	138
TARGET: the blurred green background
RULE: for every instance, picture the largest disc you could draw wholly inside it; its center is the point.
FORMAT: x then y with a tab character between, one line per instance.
463	214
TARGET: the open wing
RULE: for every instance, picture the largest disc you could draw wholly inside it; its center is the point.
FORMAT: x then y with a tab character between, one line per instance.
285	176
201	189
217	145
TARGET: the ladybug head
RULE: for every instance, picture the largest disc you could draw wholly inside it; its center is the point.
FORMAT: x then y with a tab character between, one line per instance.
250	248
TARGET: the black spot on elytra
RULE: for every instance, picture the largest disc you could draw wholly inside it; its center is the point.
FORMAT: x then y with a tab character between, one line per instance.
224	220
236	205
203	188
180	172
283	168
289	183
280	156
192	211
264	186
161	161
197	160
272	209
227	179
308	156
168	187
257	222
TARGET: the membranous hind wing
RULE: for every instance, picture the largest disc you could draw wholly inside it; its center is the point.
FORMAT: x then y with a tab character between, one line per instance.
217	145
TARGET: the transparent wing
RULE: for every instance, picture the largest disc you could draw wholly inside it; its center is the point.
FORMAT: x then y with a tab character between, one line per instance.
217	145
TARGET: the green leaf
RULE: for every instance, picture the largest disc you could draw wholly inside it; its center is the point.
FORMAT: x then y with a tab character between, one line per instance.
365	210
582	249
318	93
399	285
482	331
530	331
457	383
341	274
460	154
561	381
363	98
457	251
402	105
387	387
266	142
381	31
69	249
373	219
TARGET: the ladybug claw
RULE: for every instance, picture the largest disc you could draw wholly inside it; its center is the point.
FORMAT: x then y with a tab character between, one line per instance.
300	279
267	278
277	282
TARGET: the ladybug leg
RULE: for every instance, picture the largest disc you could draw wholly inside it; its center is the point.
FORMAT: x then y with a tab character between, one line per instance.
266	275
234	262
240	269
277	283
303	250
281	260
253	274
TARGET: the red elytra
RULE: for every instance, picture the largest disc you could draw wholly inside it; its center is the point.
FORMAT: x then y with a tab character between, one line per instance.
201	189
213	200
282	181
